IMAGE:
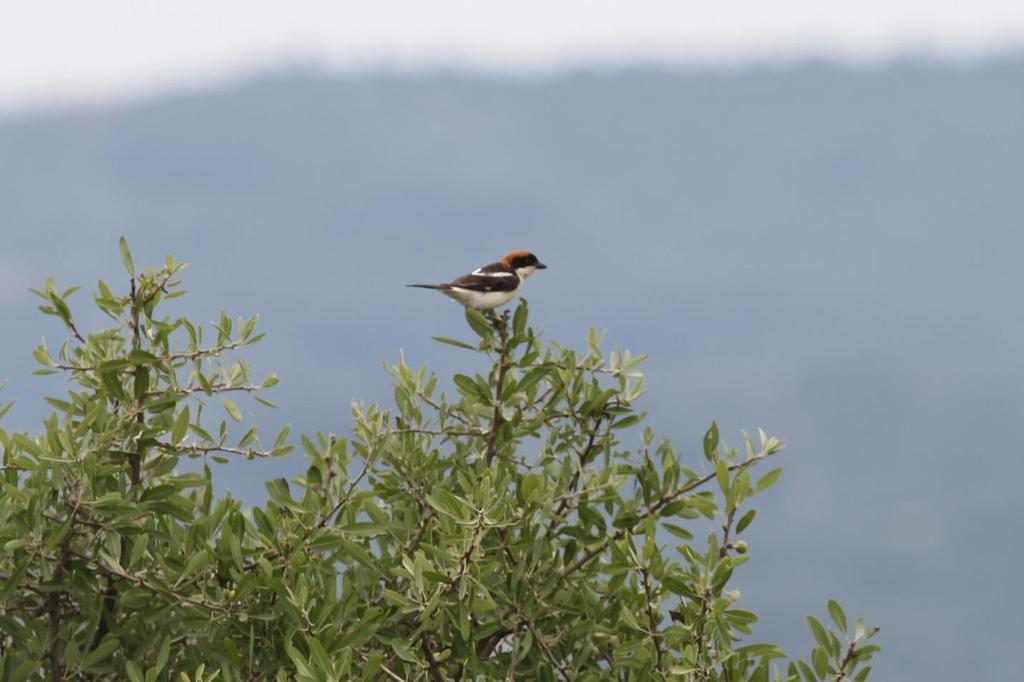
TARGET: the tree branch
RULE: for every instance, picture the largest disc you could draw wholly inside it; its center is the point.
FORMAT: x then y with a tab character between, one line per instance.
501	326
53	610
140	415
723	551
559	513
149	587
432	667
196	448
595	551
648	603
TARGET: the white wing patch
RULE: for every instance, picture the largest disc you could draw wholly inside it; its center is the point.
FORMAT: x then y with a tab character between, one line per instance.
481	273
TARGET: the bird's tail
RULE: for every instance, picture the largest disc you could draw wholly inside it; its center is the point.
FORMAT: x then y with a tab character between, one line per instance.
427	286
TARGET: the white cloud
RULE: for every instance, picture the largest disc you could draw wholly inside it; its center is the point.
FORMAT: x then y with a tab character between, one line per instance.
59	50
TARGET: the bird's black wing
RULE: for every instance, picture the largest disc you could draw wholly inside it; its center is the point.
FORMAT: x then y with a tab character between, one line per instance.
493	277
498	267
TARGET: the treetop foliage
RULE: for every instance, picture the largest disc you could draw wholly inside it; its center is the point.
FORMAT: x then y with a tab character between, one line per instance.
516	524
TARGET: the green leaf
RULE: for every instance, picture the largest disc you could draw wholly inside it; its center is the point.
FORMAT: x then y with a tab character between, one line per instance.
180	429
141	383
819	657
711	441
678	585
529	486
478	323
363	529
279	493
519	318
27	444
532	377
819	631
678	531
133	670
141	357
197	562
126	256
108	646
232	409
838	617
628	618
248	438
596	403
446	503
722	474
42	357
453	342
372	666
326	541
628	421
163	403
768	651
308	445
204	382
282	436
768	480
299	661
745	521
470	388
158	492
110	377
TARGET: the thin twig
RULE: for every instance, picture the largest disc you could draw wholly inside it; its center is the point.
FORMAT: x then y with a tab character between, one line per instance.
583	366
723	551
650	511
324	520
146	585
387	671
441	432
841	671
437	408
202	352
206	449
648	603
214	388
464	561
74	331
501	325
559	513
53	610
140	415
432	667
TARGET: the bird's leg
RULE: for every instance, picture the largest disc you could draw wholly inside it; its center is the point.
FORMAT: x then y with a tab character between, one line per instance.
497	322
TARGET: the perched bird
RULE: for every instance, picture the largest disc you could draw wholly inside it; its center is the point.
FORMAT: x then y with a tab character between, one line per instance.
492	285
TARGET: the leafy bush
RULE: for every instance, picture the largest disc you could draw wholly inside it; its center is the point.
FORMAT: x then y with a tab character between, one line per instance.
499	530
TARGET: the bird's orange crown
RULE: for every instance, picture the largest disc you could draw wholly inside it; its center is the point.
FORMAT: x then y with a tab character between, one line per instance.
514	255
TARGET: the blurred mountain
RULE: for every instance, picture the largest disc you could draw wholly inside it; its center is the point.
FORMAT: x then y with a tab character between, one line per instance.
832	254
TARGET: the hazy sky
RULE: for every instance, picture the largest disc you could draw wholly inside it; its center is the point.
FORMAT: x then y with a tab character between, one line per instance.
60	51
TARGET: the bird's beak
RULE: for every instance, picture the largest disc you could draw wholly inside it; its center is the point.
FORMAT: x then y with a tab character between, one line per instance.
541	266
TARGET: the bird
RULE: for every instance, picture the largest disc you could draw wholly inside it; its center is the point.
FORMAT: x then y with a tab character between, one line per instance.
490	286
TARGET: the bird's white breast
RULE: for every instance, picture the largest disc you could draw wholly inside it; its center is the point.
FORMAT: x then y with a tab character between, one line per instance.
481	300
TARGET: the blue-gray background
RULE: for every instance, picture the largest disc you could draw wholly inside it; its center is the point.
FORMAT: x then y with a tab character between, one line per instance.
833	254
